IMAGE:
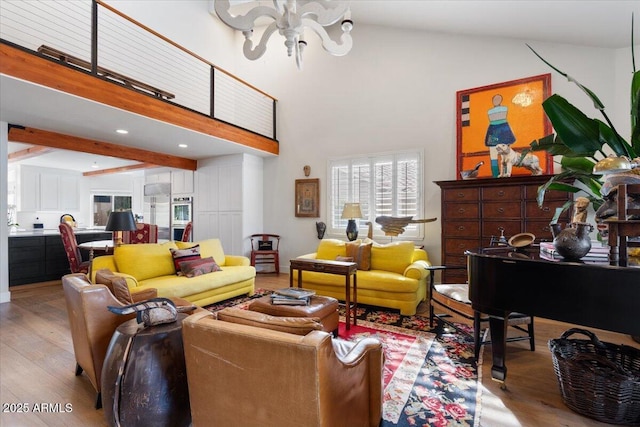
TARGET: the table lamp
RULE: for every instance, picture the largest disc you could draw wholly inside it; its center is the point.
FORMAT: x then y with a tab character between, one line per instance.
351	211
118	222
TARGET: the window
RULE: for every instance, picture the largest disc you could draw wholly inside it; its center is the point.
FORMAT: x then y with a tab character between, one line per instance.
385	184
103	204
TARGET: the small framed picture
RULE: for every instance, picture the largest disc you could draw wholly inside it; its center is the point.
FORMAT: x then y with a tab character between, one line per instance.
308	198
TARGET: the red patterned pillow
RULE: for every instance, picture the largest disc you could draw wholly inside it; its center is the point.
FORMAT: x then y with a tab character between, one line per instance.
182	255
199	267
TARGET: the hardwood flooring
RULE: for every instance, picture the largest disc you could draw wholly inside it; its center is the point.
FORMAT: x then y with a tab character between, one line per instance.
37	369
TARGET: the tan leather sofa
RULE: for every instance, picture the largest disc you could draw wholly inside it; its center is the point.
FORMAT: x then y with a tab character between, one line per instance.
240	374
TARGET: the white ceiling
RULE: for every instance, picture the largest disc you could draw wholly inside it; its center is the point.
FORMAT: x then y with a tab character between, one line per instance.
591	23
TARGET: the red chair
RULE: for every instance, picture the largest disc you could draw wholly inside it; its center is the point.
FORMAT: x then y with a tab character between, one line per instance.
72	250
264	250
144	233
186	235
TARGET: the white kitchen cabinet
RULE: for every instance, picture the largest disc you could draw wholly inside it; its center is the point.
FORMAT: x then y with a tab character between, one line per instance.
44	189
49	192
225	190
181	182
157	177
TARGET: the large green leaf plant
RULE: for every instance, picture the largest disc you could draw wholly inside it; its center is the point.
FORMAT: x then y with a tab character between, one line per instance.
582	141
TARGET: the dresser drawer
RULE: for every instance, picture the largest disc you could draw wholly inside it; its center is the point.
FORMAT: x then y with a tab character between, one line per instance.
458	246
500	210
532	210
540	229
461	211
462	194
492	228
531	193
455	261
461	229
501	193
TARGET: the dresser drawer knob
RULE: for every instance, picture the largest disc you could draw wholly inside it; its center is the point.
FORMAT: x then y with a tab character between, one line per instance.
501	193
546	208
461	195
461	210
461	228
500	210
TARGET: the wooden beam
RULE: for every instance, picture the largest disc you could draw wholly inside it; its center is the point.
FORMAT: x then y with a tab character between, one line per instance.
120	169
74	143
53	74
28	153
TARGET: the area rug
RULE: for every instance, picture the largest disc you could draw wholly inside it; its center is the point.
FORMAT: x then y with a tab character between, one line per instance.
430	377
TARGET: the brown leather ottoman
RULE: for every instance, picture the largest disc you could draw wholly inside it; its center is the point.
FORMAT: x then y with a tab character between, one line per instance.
325	308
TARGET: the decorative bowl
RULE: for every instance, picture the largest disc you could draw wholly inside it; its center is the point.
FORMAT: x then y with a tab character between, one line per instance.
521	240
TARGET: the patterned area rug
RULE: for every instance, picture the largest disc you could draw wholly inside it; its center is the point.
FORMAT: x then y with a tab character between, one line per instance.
430	376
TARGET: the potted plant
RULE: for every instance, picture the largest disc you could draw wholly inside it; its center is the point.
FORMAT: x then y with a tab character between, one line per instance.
583	141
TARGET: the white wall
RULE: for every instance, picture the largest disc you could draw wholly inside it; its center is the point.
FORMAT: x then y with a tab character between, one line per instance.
396	90
4	231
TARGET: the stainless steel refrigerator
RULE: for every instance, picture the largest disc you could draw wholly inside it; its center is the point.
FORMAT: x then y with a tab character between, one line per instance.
157	207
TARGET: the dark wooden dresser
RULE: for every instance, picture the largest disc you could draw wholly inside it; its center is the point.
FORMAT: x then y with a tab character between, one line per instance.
473	211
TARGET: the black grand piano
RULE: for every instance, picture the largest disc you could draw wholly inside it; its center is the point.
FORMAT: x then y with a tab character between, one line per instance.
504	280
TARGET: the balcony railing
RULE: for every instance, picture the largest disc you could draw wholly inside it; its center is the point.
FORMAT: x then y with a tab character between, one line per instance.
94	36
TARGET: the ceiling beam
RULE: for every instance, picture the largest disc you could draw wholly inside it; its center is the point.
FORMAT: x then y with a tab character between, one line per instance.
28	153
74	143
120	169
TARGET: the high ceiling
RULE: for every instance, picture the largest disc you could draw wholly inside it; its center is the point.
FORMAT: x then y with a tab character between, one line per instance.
591	23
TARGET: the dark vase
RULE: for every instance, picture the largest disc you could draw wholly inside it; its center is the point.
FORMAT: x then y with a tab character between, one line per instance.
573	242
352	230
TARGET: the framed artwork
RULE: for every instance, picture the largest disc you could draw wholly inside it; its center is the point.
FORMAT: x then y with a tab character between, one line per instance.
502	119
308	198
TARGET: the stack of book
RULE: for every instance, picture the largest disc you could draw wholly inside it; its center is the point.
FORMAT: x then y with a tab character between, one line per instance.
292	296
598	252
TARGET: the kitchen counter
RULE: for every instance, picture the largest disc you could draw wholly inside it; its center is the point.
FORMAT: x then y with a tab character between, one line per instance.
22	232
38	255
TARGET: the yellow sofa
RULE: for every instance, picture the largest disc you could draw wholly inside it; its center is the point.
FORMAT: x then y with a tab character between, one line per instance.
397	277
151	266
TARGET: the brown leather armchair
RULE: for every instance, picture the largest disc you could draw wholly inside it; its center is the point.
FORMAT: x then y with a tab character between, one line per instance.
244	375
92	324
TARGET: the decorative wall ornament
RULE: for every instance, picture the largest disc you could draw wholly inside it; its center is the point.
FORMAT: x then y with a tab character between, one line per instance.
321	227
394	226
307	170
308	198
290	18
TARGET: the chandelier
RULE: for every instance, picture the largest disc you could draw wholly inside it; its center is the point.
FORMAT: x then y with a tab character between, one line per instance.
290	18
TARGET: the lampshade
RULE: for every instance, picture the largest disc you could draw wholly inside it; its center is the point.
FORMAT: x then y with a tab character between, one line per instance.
351	210
121	221
614	165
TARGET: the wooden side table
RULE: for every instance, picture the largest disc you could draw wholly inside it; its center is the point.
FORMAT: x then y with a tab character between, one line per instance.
346	269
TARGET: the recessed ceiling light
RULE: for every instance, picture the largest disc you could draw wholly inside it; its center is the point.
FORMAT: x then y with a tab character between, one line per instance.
95	165
122	131
182	145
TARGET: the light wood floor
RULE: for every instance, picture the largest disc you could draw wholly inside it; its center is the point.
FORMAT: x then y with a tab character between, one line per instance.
37	368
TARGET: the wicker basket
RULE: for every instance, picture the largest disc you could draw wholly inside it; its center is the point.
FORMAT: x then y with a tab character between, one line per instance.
598	379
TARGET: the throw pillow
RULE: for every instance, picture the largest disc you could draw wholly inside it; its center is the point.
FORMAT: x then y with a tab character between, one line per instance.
116	284
361	254
182	255
199	267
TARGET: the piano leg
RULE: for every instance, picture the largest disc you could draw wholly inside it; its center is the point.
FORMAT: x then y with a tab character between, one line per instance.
498	329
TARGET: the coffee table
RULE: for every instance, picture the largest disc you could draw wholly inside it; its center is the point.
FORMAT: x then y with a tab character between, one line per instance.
346	269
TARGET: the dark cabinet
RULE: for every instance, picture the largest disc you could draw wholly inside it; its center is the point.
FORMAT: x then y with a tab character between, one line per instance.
474	211
35	259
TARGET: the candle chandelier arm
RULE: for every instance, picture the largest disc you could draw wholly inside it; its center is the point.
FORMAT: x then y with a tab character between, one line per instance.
330	45
325	12
242	22
254	53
